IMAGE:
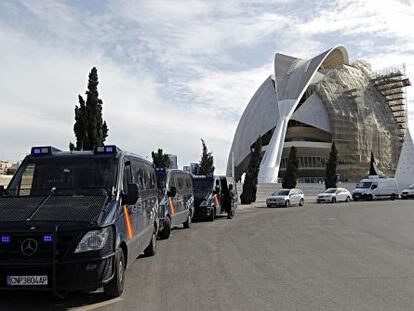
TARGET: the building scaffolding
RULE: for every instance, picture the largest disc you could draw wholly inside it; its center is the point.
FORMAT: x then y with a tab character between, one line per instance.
362	119
392	85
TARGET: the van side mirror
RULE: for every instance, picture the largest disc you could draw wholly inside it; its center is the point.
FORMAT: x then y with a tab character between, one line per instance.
172	192
131	197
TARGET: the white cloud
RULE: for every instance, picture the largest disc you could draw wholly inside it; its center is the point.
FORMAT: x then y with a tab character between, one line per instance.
228	92
171	71
178	31
387	18
39	88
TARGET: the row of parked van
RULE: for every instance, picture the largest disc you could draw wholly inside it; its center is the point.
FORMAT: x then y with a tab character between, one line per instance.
184	197
76	220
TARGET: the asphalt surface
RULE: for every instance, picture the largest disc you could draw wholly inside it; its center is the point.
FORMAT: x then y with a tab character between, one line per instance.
347	256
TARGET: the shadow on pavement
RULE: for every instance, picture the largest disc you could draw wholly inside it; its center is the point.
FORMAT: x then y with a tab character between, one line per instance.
218	217
27	300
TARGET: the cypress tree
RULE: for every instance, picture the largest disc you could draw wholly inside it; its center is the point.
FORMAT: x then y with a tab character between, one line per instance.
206	165
247	195
80	125
250	182
160	159
330	170
291	173
90	128
372	166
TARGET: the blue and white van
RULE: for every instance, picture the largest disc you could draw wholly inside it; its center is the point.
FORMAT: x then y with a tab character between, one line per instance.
76	220
176	200
210	196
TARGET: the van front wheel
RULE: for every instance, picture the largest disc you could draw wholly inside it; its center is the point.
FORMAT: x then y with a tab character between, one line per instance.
115	287
393	196
212	214
187	224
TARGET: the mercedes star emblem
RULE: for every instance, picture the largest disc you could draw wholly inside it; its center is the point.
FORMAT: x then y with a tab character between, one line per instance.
29	247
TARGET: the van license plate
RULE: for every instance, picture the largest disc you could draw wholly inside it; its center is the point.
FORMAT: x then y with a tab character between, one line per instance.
27	280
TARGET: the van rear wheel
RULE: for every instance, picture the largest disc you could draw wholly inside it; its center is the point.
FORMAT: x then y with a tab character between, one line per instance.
187	224
165	233
115	287
393	196
212	214
150	250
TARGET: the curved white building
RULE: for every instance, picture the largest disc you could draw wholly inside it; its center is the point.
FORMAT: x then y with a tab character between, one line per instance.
309	103
405	169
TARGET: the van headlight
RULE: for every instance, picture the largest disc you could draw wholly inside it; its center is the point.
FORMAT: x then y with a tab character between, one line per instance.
93	240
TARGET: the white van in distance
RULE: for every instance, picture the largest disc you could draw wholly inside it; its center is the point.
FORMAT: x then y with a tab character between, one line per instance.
375	187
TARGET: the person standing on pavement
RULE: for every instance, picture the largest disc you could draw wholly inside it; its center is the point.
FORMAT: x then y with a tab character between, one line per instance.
232	199
226	198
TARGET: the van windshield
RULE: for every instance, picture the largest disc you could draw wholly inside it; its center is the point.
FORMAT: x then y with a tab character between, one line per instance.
66	175
331	190
202	187
364	185
161	181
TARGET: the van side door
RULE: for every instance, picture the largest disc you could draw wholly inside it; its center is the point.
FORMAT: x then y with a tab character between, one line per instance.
218	198
188	194
180	198
130	213
152	203
147	202
375	191
139	178
172	201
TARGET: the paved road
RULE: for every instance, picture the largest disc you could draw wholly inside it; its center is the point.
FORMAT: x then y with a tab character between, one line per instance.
356	256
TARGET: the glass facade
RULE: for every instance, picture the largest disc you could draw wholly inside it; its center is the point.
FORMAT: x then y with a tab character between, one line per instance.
306	162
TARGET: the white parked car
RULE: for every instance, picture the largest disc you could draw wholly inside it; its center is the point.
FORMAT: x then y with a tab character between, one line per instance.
286	197
408	193
334	195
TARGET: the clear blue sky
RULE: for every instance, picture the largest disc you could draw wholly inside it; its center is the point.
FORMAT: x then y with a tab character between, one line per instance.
171	71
